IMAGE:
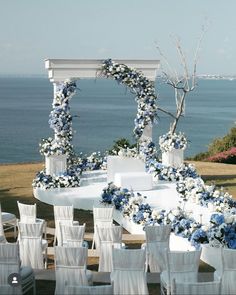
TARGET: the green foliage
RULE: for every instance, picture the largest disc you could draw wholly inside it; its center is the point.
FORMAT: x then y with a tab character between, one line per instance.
200	156
120	143
223	144
218	145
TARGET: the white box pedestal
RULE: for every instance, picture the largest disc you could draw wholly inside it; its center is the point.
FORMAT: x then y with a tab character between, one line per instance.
212	256
174	158
56	165
137	181
116	164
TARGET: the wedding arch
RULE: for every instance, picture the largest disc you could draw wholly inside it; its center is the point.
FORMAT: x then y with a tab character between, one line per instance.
138	75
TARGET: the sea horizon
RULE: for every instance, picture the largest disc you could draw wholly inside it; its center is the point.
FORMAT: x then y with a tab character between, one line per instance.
104	112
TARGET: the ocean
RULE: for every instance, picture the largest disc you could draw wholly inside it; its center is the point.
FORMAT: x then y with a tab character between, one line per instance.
104	112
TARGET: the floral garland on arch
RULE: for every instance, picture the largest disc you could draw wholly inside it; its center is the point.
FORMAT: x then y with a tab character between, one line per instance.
142	87
60	120
169	141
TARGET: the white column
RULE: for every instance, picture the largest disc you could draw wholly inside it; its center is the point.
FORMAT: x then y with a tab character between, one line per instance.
147	133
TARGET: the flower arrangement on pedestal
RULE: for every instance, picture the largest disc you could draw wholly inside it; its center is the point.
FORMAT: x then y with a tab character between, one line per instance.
142	87
169	141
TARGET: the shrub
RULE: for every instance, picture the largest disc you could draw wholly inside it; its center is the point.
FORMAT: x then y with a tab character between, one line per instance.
120	143
223	144
228	157
218	146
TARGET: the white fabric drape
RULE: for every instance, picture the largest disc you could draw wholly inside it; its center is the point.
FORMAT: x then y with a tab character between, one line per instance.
228	272
31	244
103	217
2	234
9	263
63	215
200	288
181	266
89	290
72	235
109	237
157	240
70	264
27	212
128	275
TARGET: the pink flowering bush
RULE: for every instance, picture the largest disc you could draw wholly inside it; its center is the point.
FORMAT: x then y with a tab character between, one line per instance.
228	157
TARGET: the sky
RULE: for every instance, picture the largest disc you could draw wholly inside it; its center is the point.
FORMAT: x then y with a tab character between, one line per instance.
34	30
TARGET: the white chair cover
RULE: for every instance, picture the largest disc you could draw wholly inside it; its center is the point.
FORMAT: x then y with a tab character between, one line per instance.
181	266
228	273
109	237
102	216
70	264
9	263
2	235
128	275
9	221
27	212
199	288
157	240
72	235
63	215
32	246
89	290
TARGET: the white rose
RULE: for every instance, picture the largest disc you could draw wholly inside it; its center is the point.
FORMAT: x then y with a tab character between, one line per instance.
229	218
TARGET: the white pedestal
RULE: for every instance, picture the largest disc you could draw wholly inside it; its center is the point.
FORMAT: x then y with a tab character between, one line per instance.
116	164
56	165
137	181
174	158
212	256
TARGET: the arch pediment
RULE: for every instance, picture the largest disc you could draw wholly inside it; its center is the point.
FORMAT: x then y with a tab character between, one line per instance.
63	69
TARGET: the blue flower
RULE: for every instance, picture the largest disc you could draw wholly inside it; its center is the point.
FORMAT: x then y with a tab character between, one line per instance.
217	219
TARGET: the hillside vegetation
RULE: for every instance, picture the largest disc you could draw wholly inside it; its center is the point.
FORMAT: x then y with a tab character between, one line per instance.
222	149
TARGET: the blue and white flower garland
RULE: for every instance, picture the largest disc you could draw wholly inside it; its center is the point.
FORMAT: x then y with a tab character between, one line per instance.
221	231
142	87
60	120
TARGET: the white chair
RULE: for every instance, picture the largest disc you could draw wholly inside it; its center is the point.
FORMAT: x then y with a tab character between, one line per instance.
157	240
102	216
181	266
89	290
128	275
2	234
63	215
109	238
28	214
72	235
9	221
228	272
199	288
33	248
70	266
10	263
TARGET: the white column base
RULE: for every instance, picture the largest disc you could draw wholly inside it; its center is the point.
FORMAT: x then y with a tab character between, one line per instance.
56	165
174	158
